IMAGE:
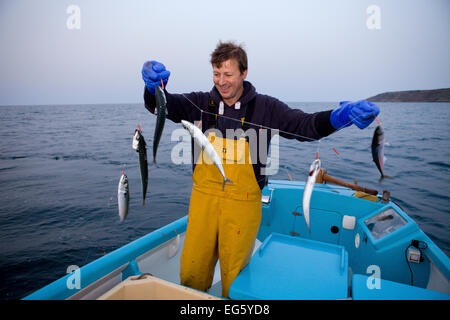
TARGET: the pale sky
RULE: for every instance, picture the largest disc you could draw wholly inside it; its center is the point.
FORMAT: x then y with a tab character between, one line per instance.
297	50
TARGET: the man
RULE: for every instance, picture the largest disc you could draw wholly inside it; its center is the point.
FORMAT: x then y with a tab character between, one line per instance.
223	223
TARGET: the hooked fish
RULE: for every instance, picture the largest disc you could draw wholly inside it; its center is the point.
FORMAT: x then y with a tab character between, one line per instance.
140	146
309	186
160	118
207	147
123	196
378	149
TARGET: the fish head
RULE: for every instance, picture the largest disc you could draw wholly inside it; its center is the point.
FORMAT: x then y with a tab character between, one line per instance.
160	96
315	166
378	136
379	131
123	180
138	141
136	138
187	125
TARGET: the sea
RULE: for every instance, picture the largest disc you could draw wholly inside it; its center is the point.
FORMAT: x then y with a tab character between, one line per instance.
60	166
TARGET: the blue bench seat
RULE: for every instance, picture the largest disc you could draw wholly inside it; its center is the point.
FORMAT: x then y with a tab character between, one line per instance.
292	268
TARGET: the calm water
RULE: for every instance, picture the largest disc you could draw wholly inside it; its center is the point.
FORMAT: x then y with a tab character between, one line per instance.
60	166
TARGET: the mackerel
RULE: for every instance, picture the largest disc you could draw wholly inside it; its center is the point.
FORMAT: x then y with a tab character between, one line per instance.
378	150
207	147
123	196
161	102
140	146
309	186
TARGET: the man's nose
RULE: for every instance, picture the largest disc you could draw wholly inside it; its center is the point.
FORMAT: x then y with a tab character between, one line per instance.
221	80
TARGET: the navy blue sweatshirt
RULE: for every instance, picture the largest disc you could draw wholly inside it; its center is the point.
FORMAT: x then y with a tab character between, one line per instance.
264	110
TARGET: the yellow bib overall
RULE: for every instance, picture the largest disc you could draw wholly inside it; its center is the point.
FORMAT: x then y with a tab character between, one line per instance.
221	223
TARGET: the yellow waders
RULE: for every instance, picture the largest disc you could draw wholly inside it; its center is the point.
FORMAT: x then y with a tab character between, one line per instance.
221	223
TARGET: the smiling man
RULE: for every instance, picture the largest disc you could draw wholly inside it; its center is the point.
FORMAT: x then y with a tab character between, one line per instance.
223	223
229	75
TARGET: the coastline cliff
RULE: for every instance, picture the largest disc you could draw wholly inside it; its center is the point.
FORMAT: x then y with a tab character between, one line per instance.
437	95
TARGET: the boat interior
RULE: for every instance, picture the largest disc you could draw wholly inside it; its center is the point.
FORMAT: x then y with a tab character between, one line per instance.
359	246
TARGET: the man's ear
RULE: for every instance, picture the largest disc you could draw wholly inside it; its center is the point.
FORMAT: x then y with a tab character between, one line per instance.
245	74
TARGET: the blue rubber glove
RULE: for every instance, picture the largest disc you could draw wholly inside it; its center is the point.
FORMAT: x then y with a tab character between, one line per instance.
360	113
152	73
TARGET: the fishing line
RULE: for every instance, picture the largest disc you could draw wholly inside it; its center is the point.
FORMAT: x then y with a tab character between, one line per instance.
248	122
285	132
266	127
378	120
269	128
317	151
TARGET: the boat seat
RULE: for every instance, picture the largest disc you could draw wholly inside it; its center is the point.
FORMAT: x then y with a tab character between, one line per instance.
291	268
389	290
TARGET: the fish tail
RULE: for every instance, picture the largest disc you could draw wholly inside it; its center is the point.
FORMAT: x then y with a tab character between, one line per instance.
307	223
225	180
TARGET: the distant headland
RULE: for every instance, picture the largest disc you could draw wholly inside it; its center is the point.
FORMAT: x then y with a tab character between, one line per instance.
437	95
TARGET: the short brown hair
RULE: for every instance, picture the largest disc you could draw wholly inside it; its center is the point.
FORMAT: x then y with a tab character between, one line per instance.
229	50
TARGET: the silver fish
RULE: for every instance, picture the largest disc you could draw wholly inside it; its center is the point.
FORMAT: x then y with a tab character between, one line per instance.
378	150
140	146
207	147
161	102
123	196
309	186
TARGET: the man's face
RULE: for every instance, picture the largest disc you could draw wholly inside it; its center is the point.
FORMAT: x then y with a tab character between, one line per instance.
229	80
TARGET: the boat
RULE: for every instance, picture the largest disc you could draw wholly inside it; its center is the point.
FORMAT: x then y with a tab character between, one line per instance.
361	246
